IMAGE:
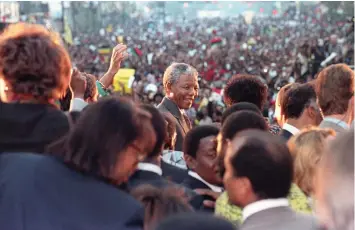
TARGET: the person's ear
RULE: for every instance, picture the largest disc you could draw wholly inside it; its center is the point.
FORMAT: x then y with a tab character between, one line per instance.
245	186
168	88
351	109
190	161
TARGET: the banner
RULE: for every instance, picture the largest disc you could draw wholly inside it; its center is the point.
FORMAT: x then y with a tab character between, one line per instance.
125	77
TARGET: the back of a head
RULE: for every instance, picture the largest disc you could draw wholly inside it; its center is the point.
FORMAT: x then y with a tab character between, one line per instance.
240	121
241	106
160	127
337	188
282	94
193	137
297	98
195	221
335	87
245	88
159	204
307	149
265	160
33	62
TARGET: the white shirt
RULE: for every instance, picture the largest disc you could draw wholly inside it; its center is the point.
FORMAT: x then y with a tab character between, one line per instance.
77	104
337	122
214	188
292	129
262	205
150	168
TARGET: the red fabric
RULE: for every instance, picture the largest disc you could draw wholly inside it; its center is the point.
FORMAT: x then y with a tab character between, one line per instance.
138	52
216	40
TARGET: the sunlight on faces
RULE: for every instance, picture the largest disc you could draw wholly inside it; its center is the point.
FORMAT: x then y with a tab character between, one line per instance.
184	91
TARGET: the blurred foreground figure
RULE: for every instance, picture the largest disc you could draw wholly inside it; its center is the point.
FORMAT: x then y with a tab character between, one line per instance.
195	221
334	188
80	188
35	70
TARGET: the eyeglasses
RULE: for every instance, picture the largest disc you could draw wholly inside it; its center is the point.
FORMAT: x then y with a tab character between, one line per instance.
139	152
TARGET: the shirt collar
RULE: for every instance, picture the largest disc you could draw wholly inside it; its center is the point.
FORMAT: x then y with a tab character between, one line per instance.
341	123
262	205
150	168
214	188
292	129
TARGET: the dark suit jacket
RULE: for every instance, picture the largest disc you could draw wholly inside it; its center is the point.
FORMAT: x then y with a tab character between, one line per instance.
192	183
286	134
279	218
141	177
182	127
173	173
40	192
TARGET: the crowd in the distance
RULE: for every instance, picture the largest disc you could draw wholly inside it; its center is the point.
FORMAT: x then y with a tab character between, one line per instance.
74	157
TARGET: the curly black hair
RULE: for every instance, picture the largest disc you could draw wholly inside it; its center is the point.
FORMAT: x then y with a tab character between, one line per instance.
245	88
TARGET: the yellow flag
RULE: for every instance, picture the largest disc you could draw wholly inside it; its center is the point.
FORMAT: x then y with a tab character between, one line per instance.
126	77
67	33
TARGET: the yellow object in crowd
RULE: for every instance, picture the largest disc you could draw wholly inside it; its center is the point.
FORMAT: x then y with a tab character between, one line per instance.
126	77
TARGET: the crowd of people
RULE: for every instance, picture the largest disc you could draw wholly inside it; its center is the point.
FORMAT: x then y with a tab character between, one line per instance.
72	156
281	50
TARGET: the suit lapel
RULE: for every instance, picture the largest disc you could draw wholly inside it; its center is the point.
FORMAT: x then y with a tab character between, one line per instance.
175	111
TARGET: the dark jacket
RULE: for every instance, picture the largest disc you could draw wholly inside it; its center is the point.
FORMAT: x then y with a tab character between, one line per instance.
40	192
182	126
30	127
286	135
192	183
143	177
173	173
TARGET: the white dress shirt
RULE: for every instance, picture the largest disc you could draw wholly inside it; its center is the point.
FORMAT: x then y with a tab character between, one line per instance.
292	129
77	104
262	205
150	168
214	188
336	121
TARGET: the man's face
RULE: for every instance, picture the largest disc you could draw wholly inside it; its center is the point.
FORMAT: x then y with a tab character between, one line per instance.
204	164
184	91
234	185
221	150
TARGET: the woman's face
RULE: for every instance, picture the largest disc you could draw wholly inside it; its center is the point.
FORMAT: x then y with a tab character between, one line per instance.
135	152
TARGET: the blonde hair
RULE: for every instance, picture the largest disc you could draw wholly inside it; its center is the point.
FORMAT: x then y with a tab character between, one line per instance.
307	148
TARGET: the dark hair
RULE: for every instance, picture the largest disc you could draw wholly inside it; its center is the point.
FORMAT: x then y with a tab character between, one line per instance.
160	203
266	161
195	221
171	130
297	99
241	106
66	100
240	121
91	87
160	128
245	88
73	117
113	123
194	136
335	87
282	94
33	62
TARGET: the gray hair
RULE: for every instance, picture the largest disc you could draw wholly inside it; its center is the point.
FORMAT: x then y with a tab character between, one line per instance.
173	73
339	184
